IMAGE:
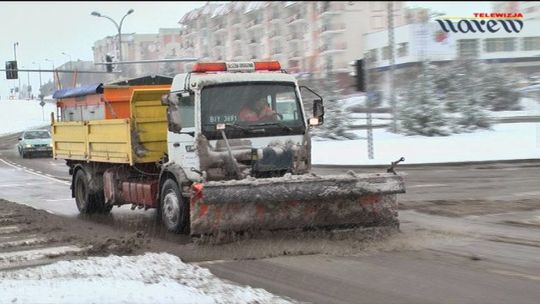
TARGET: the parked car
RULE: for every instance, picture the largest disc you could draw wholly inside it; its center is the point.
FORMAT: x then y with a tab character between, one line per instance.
34	142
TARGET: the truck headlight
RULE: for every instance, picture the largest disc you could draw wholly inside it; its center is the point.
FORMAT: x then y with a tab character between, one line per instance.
28	146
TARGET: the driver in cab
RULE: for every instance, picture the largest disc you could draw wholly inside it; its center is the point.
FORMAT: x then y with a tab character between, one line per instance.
257	111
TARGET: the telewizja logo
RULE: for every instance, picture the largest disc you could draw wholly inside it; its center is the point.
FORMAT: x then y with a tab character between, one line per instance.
483	23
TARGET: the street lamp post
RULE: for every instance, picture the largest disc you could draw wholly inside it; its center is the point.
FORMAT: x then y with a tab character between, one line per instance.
70	62
40	84
118	27
27	93
54	76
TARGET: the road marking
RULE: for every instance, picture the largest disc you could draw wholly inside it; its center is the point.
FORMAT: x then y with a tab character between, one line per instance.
42	175
533	193
9	229
515	274
58	200
20	185
427	185
23	242
7	258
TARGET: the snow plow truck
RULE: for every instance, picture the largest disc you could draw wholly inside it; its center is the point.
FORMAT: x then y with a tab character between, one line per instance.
223	148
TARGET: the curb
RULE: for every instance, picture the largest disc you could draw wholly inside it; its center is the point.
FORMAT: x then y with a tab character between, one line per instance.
445	164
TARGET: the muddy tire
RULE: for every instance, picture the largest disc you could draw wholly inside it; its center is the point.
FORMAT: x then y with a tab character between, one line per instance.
174	212
87	202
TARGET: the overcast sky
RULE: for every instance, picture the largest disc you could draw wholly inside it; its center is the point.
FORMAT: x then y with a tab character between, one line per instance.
46	29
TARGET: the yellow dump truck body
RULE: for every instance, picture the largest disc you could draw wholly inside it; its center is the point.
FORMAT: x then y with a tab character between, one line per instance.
141	138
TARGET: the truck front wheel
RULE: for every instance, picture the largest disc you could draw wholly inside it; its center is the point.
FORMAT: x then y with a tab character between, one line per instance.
173	208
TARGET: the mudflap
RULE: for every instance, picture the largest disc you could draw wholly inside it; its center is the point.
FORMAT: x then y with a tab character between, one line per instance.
302	201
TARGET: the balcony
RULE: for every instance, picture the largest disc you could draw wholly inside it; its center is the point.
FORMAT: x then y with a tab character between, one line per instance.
277	37
295	55
295	37
254	41
277	51
332	28
254	24
296	18
332	8
220	29
275	19
333	48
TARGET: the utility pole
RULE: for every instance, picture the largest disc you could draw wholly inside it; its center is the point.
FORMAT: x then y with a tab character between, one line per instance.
15	45
369	130
392	65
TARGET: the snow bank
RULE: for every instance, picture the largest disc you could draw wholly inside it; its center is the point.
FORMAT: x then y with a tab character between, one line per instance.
19	115
504	142
150	278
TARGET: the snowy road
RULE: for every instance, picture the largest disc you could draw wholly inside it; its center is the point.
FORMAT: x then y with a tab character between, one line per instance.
468	257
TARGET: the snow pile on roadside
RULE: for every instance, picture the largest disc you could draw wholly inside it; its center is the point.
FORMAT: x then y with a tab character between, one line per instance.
529	107
150	278
504	142
20	115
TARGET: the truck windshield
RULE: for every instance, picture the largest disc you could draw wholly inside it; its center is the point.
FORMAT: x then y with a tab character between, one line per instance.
254	109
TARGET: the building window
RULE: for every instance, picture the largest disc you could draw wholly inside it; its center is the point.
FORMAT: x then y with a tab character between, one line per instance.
531	43
468	48
385	53
499	45
372	54
377	22
377	6
403	49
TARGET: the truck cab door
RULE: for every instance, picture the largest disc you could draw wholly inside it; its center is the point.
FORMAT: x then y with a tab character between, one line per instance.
181	134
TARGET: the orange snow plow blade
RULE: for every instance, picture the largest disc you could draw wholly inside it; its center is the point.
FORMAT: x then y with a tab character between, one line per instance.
302	201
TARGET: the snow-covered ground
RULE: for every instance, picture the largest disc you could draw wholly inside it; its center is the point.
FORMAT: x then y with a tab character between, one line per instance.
150	278
503	142
19	115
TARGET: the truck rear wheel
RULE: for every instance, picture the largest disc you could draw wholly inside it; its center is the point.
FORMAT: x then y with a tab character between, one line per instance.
87	202
173	208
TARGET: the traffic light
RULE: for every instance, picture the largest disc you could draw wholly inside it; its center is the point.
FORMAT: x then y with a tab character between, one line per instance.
11	70
108	58
359	75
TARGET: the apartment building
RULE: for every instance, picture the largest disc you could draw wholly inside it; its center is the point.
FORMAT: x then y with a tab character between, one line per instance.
426	41
135	47
529	9
306	37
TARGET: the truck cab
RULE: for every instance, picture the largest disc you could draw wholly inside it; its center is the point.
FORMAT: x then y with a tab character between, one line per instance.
212	138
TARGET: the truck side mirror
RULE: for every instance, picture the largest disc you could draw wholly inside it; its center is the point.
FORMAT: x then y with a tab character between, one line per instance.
20	138
165	99
173	115
318	110
174	102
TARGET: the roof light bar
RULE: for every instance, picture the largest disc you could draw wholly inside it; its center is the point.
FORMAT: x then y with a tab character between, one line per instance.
203	67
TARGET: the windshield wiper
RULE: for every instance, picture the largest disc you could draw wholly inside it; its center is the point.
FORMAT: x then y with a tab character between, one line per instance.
273	124
234	125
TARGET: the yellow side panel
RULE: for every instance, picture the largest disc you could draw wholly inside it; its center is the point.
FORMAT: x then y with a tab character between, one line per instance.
140	139
149	129
109	141
69	140
97	140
